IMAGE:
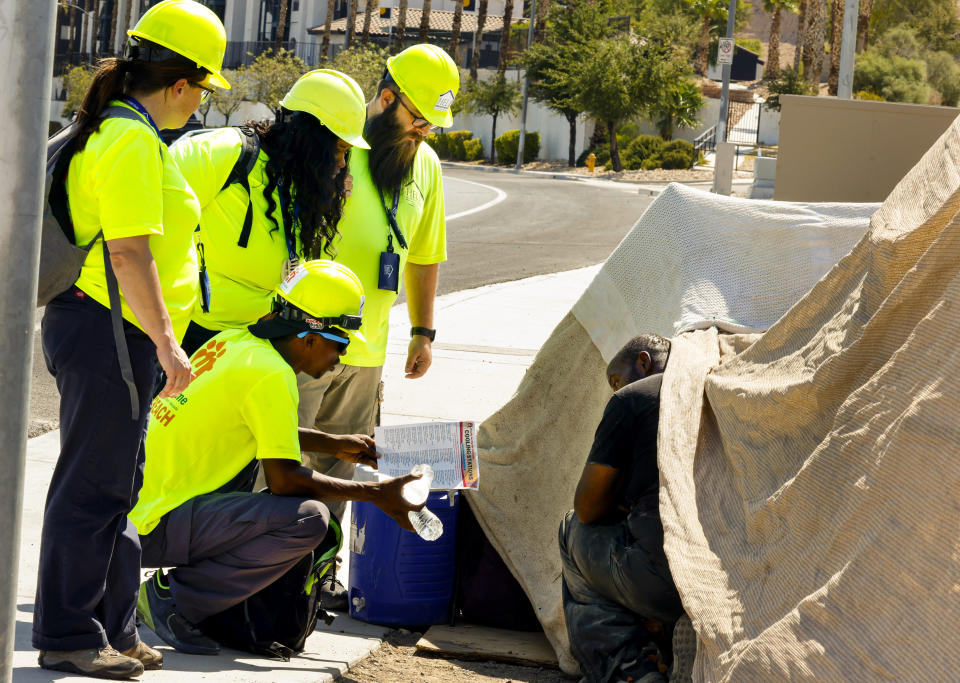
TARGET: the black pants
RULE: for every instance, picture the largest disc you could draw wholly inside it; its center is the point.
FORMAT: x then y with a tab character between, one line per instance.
89	551
614	577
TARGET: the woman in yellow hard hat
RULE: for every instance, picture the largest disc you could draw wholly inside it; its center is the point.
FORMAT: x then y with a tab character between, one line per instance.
258	220
127	198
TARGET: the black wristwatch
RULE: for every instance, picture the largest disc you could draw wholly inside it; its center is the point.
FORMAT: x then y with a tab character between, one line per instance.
424	332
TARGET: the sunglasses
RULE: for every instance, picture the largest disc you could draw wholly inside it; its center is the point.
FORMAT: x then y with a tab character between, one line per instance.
206	91
342	342
418	120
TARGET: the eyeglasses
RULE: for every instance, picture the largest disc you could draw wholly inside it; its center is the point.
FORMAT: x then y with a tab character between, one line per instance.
206	91
418	120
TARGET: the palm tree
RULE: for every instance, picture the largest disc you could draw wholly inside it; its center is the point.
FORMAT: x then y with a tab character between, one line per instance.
369	7
776	7
425	21
454	48
814	40
325	43
863	25
84	23
505	38
401	26
707	11
73	28
281	23
836	33
801	34
351	23
129	13
478	38
113	27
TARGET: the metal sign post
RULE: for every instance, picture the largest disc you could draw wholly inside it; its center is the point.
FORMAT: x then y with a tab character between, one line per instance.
725	91
27	82
526	87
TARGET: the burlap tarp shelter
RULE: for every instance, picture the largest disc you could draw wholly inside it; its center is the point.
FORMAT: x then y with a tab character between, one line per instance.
810	485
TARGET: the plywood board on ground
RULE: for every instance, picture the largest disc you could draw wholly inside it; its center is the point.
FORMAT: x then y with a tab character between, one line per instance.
479	642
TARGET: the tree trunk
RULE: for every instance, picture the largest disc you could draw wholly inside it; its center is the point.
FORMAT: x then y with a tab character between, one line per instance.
73	32
505	37
478	39
96	27
351	23
836	33
540	28
454	48
84	31
773	53
493	140
703	48
801	34
369	7
281	24
614	152
325	43
425	21
815	36
113	27
572	149
401	30
863	25
129	13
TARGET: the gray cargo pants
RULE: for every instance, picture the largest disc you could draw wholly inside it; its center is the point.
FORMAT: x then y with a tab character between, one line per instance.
227	546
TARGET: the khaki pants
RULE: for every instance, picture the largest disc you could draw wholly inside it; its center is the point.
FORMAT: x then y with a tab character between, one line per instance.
345	400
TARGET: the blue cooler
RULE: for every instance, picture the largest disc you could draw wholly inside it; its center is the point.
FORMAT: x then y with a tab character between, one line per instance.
396	577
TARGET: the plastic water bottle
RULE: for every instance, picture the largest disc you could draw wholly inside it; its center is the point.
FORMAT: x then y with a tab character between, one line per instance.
427	525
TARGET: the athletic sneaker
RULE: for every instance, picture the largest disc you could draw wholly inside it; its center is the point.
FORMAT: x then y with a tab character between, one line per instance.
333	595
150	658
104	662
156	609
684	651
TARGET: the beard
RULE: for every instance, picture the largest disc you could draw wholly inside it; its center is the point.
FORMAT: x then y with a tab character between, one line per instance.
392	149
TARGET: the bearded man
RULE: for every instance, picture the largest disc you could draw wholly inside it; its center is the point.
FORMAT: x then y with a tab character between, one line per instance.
392	225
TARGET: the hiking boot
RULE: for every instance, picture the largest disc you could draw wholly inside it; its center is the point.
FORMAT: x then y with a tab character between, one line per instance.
150	658
333	595
684	651
104	662
156	610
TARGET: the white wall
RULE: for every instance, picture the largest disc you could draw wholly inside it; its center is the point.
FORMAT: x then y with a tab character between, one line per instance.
769	127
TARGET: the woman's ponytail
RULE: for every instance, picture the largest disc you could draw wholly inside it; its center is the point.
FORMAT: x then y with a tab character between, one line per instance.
108	84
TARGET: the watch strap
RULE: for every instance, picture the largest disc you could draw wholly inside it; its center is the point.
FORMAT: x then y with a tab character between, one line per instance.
424	332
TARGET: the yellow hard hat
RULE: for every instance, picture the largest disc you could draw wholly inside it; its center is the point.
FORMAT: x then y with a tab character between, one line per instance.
427	75
189	29
335	99
326	295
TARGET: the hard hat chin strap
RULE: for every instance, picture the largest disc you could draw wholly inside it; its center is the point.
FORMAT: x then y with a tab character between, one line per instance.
288	311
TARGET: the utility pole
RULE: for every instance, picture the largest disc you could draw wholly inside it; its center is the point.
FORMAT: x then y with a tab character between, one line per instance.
723	177
526	88
26	81
848	47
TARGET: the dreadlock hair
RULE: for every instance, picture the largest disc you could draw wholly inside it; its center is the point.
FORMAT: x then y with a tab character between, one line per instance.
118	77
302	162
653	344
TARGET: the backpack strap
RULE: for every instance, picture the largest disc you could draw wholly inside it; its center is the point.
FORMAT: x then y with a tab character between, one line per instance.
240	173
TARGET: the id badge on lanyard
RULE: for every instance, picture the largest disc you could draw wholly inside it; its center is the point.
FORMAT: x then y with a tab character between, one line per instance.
292	260
389	271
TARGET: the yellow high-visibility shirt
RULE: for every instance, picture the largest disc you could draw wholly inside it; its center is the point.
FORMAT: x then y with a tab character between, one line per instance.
242	405
125	182
363	237
242	279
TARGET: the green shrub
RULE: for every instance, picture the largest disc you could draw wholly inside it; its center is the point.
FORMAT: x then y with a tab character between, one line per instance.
752	44
473	149
867	95
895	78
651	163
508	143
582	159
943	73
675	159
451	146
790	82
640	149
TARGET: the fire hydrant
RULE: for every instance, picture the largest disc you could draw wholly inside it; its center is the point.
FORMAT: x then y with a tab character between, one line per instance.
591	161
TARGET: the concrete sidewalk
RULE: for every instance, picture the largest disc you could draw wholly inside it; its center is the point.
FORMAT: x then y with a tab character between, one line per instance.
486	339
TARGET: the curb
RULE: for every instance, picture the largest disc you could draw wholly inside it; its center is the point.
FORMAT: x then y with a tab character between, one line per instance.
497	169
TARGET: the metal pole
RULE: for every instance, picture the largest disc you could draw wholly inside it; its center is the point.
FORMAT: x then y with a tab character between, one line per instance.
25	107
725	90
526	86
848	47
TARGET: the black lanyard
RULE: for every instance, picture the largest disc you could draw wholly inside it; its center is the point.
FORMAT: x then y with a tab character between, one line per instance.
392	220
287	223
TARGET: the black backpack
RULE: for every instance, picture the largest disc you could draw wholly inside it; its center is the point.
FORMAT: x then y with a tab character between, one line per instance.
61	258
276	621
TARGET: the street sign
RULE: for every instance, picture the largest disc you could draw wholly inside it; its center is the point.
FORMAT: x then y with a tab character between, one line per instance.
725	51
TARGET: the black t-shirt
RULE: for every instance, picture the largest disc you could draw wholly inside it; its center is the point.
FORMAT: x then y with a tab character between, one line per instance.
626	440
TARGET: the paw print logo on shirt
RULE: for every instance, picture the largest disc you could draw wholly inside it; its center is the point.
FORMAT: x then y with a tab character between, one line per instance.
205	358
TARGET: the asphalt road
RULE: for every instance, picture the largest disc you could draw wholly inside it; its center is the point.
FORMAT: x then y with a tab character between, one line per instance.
500	227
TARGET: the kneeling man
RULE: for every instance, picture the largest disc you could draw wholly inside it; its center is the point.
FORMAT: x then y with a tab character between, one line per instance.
618	594
242	408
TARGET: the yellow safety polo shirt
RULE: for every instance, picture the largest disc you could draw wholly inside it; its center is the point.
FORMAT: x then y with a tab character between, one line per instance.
125	182
363	237
242	405
242	279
